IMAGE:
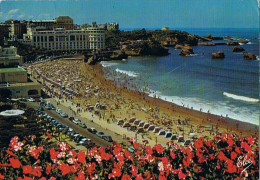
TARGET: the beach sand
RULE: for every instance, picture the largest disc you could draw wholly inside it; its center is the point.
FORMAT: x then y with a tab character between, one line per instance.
169	116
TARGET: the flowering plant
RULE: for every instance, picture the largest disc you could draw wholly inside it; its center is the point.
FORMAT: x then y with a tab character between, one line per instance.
228	155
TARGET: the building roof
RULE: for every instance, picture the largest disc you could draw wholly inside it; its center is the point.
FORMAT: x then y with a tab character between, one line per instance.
63	17
6	70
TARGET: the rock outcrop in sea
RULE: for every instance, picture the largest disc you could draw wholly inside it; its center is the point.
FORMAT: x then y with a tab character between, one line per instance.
218	55
232	43
186	50
249	56
237	49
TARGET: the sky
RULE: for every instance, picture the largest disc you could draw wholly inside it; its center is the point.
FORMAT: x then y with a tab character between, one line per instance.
141	13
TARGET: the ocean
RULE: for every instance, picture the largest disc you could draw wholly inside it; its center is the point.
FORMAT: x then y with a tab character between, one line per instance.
224	87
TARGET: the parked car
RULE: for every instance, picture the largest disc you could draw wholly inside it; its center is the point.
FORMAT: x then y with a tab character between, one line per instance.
58	111
84	141
76	121
31	99
52	107
92	130
71	118
83	125
48	107
100	134
63	114
108	138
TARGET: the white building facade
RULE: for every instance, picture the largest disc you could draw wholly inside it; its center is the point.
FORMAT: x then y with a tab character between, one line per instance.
96	37
60	39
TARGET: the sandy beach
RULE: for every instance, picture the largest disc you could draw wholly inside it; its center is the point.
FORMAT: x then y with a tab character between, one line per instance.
102	101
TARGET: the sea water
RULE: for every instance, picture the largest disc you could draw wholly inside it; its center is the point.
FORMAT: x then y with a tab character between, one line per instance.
223	87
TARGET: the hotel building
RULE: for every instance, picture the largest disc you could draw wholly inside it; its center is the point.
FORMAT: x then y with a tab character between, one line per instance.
60	39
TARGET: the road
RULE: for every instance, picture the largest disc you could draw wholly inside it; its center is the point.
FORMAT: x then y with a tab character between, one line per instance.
78	129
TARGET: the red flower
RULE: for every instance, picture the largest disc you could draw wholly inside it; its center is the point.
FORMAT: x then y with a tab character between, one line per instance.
43	178
27	169
162	178
15	163
230	142
80	176
221	156
126	177
198	144
128	155
237	150
209	143
48	170
250	140
116	172
1	176
81	157
134	170
172	155
10	153
181	175
233	155
186	161
139	177
65	169
159	148
52	178
53	153
246	146
37	171
147	175
27	178
136	145
149	150
231	168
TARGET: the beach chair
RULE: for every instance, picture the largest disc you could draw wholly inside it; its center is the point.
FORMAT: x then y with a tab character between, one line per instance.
161	132
173	137
151	128
168	134
141	124
132	120
180	139
146	125
187	142
156	129
136	121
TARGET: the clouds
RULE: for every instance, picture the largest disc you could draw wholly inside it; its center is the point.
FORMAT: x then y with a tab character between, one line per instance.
21	16
13	11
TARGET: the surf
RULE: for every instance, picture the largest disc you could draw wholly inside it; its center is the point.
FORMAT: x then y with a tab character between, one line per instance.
241	98
129	73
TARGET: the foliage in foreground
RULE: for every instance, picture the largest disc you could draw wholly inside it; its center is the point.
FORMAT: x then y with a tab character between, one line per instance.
226	156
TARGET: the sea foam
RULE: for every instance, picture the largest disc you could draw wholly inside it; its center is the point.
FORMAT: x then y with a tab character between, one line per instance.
218	108
241	98
129	73
107	64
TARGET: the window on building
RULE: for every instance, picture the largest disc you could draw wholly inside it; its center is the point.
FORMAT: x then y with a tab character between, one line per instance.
51	38
72	37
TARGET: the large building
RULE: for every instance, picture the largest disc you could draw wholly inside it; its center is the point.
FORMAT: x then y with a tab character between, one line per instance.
61	39
14	78
16	28
9	57
113	26
96	37
59	22
57	39
4	32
